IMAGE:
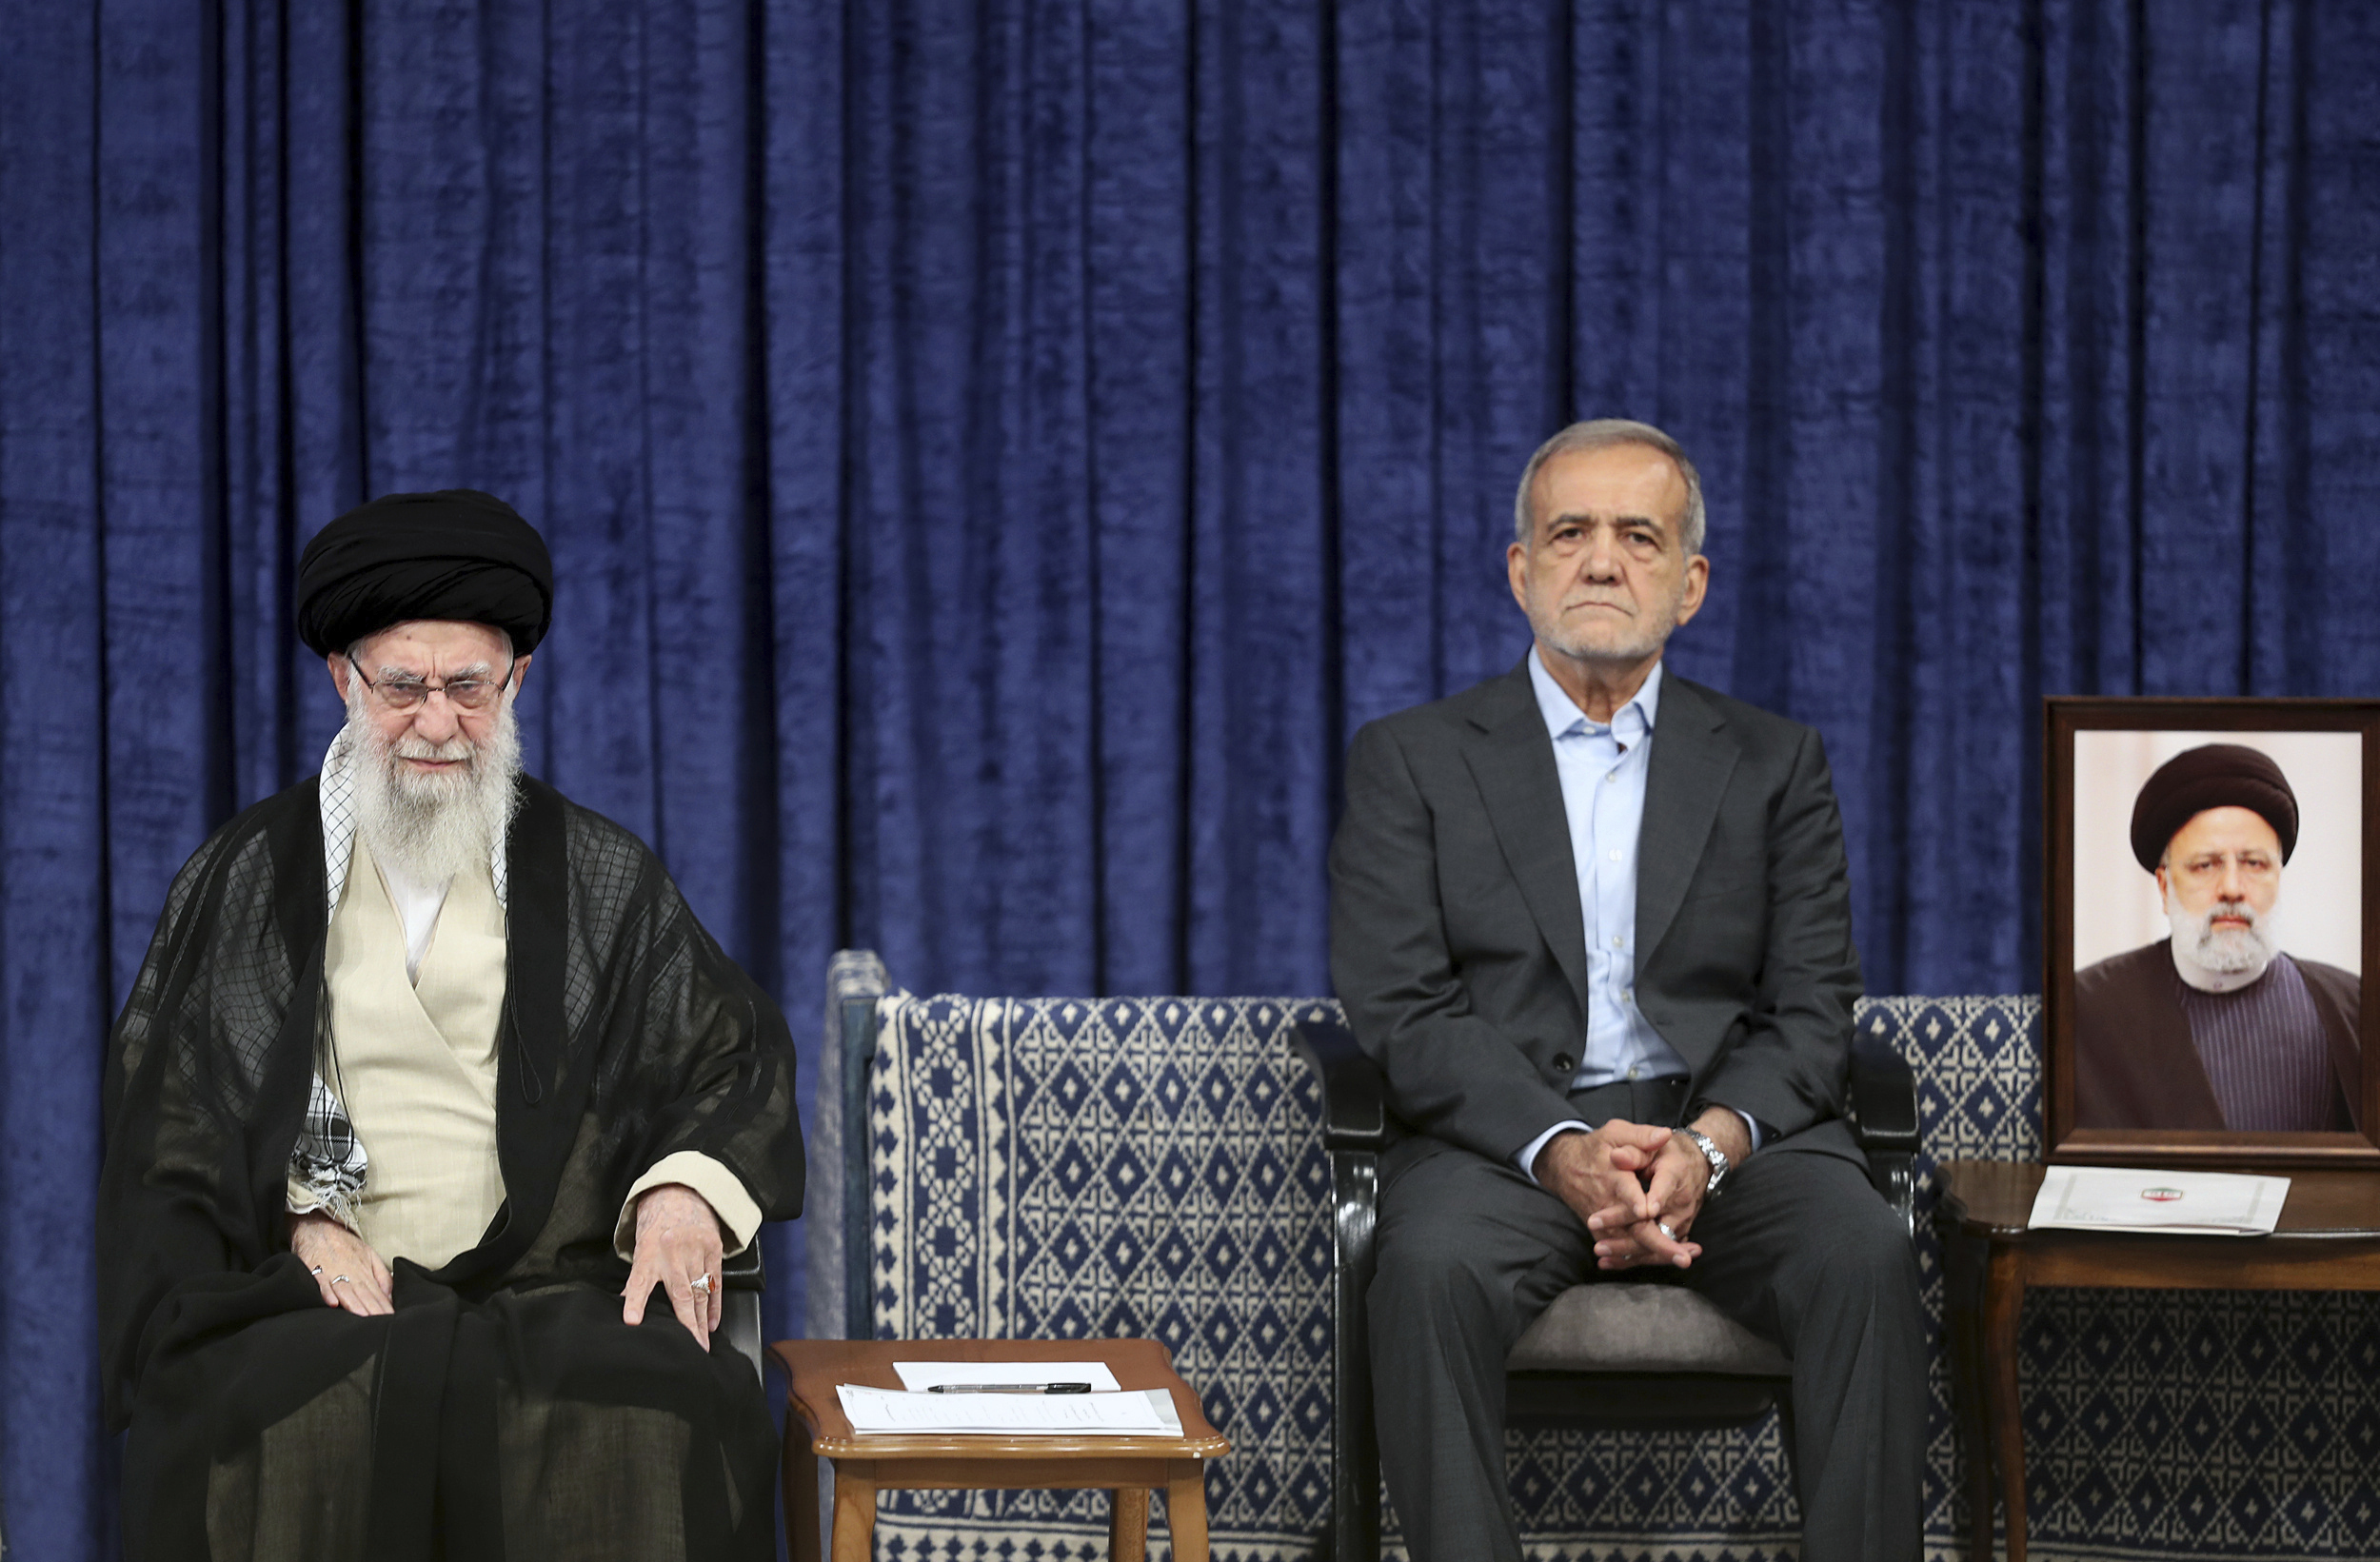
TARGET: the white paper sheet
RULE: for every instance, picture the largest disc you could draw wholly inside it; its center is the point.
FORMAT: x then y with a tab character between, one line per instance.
2181	1203
1143	1412
921	1375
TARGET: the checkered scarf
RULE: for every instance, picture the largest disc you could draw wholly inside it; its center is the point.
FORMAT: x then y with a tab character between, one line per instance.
329	1160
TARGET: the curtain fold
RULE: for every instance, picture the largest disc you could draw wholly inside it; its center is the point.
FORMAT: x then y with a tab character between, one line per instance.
995	456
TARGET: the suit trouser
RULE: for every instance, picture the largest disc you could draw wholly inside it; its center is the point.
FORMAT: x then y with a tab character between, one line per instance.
1798	1247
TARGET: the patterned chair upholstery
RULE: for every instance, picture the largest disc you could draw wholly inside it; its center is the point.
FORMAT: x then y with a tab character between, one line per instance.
1155	1166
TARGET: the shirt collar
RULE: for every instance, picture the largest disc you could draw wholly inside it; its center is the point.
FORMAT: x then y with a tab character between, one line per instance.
1629	724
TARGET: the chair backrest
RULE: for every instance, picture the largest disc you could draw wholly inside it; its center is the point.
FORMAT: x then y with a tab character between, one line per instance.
1979	1067
1153	1166
1082	1168
834	1227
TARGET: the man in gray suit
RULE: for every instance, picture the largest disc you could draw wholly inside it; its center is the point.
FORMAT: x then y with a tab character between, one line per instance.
1593	924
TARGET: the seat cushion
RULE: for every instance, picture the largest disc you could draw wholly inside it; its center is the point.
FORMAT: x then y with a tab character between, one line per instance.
1639	1326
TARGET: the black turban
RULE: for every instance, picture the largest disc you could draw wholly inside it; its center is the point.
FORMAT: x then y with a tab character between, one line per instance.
457	554
2214	776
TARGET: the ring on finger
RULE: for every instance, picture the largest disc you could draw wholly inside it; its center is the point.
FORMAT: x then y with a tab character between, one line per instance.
1663	1227
702	1286
340	1279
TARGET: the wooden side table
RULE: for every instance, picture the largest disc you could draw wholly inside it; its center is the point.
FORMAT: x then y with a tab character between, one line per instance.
1128	1467
2329	1239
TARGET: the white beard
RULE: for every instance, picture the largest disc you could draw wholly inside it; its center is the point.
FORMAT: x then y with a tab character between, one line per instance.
2220	961
429	827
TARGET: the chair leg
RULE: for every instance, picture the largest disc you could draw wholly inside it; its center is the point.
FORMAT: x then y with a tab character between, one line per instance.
1129	1524
1356	1484
1355	1438
800	1487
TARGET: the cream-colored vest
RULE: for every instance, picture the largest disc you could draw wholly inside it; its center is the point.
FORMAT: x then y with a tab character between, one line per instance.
417	1062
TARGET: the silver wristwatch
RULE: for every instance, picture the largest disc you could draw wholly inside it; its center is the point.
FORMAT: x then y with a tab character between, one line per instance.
1716	1157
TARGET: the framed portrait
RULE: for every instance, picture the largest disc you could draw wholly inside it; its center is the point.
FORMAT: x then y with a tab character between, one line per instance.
2210	938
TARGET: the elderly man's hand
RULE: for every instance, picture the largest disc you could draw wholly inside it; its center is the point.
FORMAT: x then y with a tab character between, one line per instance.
677	1243
1601	1174
1675	1187
347	1271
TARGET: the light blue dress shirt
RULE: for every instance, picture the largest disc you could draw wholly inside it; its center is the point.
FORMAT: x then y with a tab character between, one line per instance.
1602	770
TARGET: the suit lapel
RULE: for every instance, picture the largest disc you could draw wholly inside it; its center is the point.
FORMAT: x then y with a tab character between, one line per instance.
1511	760
1691	760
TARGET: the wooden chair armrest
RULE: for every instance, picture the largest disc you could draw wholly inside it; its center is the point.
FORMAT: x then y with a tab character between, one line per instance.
744	1276
740	1327
1884	1115
1354	1099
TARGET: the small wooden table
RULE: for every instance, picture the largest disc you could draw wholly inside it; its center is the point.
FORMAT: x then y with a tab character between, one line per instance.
2329	1239
1130	1467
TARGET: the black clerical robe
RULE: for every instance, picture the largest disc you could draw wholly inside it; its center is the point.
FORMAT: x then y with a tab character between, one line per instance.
2136	1066
505	1410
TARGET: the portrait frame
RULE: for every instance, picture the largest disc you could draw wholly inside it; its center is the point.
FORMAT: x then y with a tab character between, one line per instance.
2073	722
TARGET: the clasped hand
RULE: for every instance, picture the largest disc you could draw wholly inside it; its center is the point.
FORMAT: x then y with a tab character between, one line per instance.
1627	1181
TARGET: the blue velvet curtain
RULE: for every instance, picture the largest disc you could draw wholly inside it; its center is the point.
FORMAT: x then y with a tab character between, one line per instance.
996	454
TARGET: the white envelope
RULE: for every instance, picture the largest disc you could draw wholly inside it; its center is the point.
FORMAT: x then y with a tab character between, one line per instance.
1143	1412
2180	1203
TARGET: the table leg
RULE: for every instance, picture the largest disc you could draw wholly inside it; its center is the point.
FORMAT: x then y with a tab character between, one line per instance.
855	1509
1963	1260
1185	1509
800	1484
2003	1305
1129	1524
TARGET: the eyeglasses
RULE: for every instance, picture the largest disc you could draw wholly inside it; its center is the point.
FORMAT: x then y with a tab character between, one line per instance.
403	694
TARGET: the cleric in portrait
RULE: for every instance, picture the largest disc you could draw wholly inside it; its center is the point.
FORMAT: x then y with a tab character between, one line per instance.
2216	1027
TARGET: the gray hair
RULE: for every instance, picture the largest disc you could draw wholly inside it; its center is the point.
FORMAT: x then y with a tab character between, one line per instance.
1601	434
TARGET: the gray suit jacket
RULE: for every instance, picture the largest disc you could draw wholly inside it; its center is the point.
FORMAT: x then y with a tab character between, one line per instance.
1460	953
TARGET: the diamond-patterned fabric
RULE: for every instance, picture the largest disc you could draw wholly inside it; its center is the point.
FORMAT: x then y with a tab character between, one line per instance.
1113	1167
1154	1166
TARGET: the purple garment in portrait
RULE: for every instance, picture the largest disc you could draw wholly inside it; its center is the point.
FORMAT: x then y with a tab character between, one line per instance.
2265	1052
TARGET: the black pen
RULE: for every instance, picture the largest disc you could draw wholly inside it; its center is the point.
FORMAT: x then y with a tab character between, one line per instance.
1010	1388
